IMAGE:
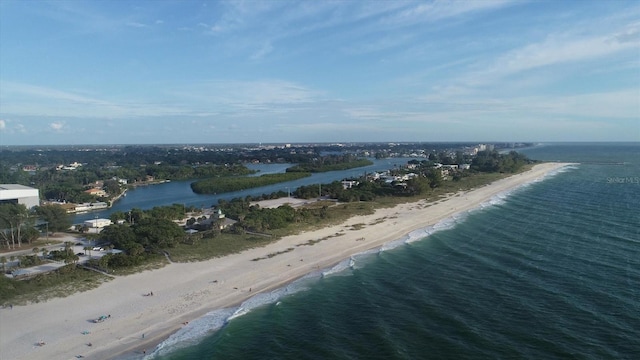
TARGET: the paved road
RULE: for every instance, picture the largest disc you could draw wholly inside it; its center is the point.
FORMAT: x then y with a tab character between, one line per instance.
52	265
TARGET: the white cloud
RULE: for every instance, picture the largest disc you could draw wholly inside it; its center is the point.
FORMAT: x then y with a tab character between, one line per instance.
439	10
383	43
32	100
247	94
19	128
136	24
3	125
264	50
56	126
555	49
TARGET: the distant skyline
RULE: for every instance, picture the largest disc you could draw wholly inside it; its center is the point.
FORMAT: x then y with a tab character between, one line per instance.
167	72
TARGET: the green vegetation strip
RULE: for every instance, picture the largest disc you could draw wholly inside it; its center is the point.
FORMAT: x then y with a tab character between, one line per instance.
228	184
218	246
315	168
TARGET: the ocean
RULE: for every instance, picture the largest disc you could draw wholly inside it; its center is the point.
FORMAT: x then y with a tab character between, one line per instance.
550	270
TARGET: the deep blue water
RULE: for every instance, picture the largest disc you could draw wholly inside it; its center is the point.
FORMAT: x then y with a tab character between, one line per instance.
548	271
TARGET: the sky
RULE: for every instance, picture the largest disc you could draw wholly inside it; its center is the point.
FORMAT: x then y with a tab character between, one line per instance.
180	72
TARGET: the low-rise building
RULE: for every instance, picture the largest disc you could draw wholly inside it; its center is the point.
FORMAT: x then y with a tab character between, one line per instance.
96	192
19	194
97	223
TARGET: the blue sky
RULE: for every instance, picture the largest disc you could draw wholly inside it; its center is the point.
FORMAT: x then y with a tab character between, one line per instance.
139	72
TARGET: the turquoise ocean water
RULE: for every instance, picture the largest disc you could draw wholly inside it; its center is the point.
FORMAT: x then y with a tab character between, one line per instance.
550	270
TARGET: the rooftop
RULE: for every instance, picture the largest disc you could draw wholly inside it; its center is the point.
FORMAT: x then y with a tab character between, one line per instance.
15	187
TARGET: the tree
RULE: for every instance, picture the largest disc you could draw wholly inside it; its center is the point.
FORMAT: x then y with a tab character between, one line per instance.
68	248
135	215
3	260
158	232
35	251
435	178
29	234
112	187
55	215
492	161
121	236
13	218
116	216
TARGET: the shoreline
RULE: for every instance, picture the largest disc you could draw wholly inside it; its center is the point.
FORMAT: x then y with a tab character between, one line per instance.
184	292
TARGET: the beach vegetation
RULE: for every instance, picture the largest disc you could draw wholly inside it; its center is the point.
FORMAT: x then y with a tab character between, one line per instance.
210	246
63	282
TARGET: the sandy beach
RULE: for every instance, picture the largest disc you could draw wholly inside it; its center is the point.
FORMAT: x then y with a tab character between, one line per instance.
183	292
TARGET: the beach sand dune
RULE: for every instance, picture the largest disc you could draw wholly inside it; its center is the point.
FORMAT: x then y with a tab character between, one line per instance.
185	291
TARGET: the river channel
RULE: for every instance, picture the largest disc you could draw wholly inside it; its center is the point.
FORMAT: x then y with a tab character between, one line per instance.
179	192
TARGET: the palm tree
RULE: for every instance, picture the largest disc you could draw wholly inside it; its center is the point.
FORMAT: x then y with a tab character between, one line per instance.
3	260
44	253
35	251
67	248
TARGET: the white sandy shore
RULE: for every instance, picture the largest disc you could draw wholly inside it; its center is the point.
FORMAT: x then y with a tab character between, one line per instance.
183	292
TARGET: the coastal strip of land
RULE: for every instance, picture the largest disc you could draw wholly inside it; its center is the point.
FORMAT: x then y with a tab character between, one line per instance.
142	309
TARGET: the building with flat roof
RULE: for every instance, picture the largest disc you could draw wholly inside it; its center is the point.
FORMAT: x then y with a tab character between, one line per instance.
19	194
97	223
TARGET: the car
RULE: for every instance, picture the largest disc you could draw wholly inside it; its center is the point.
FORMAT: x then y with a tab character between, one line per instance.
97	248
80	254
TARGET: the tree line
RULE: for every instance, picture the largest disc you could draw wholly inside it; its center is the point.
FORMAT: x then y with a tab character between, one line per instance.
19	225
493	161
222	185
330	163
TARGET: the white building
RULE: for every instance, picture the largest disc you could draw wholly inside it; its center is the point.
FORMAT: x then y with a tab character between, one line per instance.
84	207
19	194
348	184
97	223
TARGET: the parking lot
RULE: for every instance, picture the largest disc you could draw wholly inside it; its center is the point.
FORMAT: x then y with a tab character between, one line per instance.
96	252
